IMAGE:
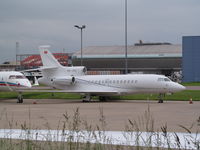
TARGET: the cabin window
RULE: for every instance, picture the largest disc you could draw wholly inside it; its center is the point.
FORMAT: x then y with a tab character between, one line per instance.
124	81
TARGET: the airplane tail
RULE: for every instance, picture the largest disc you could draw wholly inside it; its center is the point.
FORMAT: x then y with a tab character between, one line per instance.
51	67
48	59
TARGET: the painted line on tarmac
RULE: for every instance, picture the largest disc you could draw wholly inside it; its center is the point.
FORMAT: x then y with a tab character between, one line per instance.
146	139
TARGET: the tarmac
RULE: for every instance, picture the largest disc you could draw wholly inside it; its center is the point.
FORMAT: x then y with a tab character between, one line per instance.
175	116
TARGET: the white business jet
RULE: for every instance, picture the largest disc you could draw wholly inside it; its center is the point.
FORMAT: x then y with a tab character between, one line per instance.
74	80
14	81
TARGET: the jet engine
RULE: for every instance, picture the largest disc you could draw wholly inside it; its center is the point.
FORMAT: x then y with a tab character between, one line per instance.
76	71
65	80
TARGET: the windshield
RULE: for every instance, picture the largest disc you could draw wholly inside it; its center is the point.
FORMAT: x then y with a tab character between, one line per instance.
17	77
164	79
167	79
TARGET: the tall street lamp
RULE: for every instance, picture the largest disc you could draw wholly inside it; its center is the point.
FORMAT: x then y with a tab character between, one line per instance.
126	47
81	28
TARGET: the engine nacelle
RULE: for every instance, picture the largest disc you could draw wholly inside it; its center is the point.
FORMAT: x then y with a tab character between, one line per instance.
77	70
64	81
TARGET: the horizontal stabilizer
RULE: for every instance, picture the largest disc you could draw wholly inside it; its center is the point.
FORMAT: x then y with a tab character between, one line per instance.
39	69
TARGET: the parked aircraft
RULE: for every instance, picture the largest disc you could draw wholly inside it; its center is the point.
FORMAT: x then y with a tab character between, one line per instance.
14	81
74	80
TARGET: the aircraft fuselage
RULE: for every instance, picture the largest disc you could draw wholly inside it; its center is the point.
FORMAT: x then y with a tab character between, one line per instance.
114	84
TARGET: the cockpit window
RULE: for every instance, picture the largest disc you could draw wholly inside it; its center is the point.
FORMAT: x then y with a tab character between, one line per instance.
164	79
17	77
12	77
167	79
20	77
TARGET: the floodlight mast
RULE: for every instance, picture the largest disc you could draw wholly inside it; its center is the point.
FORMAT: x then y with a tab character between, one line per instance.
126	37
81	28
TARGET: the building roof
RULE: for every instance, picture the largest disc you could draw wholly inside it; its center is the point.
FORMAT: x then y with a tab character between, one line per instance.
35	60
141	51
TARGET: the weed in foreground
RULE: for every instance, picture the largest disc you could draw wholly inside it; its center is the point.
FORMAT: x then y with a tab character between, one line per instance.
77	134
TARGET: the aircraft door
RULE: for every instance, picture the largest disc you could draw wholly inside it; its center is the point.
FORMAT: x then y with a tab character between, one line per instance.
166	86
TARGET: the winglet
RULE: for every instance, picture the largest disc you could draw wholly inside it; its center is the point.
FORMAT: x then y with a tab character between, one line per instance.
48	59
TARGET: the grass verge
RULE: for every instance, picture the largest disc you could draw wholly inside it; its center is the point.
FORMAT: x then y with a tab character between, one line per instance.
180	96
191	84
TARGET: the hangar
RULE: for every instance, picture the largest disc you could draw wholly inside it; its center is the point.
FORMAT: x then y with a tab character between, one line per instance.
160	58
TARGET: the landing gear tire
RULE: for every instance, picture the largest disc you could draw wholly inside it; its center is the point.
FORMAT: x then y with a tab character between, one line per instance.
160	97
85	101
20	99
87	98
102	98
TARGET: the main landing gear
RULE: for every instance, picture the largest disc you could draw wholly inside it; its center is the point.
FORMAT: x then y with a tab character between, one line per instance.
87	98
20	98
103	98
160	97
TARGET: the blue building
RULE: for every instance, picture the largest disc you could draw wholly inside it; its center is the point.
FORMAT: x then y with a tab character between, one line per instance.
191	59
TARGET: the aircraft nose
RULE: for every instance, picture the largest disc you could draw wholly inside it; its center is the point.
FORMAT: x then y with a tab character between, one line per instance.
179	87
28	84
182	87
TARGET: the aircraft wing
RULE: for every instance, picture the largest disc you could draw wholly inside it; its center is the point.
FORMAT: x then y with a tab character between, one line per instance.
99	93
39	69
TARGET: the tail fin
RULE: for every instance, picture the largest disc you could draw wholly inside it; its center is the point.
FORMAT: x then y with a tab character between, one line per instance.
48	59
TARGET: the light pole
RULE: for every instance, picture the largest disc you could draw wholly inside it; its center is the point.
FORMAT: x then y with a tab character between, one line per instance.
17	51
126	47
81	28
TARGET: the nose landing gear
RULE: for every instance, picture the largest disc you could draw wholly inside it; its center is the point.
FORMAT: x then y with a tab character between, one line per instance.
20	98
160	97
103	98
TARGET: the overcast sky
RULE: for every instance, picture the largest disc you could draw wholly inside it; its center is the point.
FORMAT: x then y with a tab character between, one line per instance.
41	22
